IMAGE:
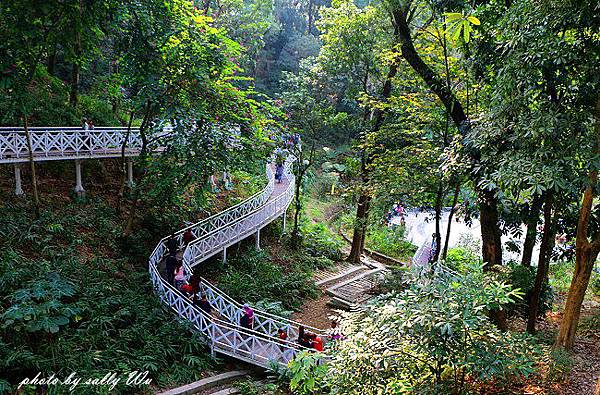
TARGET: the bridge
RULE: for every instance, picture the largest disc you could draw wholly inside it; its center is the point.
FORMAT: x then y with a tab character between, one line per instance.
259	346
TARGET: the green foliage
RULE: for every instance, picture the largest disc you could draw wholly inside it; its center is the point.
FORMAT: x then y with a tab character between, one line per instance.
460	258
255	277
98	110
307	372
595	284
319	241
523	278
65	310
590	326
390	241
432	337
273	308
560	363
40	305
250	387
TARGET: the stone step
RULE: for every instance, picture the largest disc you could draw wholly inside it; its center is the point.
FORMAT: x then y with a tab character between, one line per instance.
352	271
207	383
226	391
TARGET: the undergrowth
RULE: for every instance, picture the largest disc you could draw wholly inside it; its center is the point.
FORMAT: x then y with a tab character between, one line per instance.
72	301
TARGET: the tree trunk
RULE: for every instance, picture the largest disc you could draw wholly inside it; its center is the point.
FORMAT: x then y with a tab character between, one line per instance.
438	218
490	232
310	16
75	67
585	256
531	235
491	245
584	263
543	263
364	200
450	217
51	63
36	198
124	164
360	228
142	159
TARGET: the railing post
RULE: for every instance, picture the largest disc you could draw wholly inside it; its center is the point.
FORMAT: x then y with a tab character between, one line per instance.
18	186
212	340
79	191
257	238
224	255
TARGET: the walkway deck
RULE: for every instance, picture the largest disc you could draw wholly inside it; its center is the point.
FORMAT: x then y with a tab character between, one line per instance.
259	346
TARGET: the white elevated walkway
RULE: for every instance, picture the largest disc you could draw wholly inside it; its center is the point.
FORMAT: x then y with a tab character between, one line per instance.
213	235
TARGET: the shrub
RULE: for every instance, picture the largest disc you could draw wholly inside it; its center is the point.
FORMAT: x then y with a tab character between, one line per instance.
460	258
98	110
307	373
523	278
254	277
318	240
434	336
560	363
595	285
390	241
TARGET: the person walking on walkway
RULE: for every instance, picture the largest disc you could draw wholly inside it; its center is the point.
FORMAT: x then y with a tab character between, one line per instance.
317	342
188	236
170	266
204	305
179	275
279	172
247	320
172	244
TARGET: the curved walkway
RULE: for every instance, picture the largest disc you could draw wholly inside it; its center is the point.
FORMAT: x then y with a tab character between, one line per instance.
259	346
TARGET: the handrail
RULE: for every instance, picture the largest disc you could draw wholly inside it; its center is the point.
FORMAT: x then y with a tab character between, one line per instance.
243	219
259	345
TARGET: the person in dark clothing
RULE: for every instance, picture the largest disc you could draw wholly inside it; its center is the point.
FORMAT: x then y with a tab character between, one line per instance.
170	265
300	333
195	284
188	236
279	172
204	305
247	319
172	244
304	337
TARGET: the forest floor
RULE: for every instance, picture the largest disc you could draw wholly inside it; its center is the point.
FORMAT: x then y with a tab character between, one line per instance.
584	372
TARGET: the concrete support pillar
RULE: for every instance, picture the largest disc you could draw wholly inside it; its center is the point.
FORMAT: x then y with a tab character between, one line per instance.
18	186
129	173
224	255
257	238
79	191
283	217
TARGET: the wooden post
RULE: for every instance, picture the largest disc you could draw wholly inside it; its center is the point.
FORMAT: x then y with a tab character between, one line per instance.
283	217
18	186
79	191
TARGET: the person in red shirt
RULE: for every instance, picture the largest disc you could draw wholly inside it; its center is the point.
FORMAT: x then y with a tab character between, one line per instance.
317	343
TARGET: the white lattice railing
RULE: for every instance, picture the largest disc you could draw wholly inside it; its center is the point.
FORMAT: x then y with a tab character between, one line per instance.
421	256
49	143
260	345
225	337
212	236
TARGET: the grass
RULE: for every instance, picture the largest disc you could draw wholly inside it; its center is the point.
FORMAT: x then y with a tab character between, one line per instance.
560	275
390	241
